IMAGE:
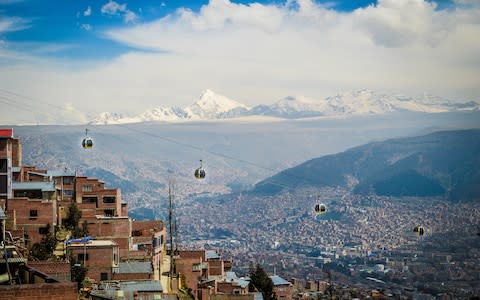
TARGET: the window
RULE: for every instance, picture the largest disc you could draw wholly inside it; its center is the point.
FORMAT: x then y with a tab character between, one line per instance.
3	184
109	199
103	276
67	180
43	230
82	257
33	214
3	165
137	233
109	212
68	193
89	199
87	188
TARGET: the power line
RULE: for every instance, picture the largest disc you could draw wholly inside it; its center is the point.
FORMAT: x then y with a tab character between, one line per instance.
183	144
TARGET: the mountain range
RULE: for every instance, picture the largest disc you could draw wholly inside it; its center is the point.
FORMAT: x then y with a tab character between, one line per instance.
444	164
212	106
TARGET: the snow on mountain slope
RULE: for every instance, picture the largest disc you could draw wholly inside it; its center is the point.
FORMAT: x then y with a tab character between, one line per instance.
292	107
211	106
163	114
105	118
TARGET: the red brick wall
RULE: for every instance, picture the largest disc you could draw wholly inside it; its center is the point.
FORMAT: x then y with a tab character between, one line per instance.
117	230
16	153
42	291
193	254
147	226
131	276
22	207
99	260
232	297
184	266
215	267
98	190
229	288
57	269
283	292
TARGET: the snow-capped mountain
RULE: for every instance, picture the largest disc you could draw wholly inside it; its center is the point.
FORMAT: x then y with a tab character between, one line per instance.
105	118
211	105
163	114
293	108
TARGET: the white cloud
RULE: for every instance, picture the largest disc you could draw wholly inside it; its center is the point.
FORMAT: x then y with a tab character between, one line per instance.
88	12
86	26
8	24
113	8
130	17
260	53
398	23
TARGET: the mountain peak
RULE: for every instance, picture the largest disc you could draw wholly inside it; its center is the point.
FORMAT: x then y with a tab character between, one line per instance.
211	105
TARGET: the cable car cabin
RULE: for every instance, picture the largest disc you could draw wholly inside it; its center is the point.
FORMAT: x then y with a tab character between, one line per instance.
419	230
320	209
199	173
87	143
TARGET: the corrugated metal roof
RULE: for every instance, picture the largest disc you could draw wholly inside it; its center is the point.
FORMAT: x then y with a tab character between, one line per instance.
14	260
45	186
127	286
277	280
231	275
211	254
142	286
60	173
127	289
135	267
242	283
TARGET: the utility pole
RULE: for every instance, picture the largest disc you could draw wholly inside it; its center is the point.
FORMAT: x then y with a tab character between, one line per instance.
171	233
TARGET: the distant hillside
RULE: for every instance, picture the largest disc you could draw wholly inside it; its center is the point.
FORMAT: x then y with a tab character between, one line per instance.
445	163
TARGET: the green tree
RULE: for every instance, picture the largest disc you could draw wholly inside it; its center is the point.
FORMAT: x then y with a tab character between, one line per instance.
74	215
77	271
44	249
260	280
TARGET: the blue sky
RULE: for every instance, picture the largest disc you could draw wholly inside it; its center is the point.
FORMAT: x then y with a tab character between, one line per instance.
78	25
88	55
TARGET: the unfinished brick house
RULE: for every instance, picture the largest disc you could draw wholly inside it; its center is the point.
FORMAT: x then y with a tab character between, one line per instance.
36	198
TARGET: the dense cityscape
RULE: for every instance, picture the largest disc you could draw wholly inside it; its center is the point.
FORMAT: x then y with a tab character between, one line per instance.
359	237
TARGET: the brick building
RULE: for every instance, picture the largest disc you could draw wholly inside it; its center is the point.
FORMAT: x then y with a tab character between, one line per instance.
35	198
99	257
282	288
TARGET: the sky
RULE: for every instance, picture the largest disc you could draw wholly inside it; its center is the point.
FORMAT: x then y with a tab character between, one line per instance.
68	61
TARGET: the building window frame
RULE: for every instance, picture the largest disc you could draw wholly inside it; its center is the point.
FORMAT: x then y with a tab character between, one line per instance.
87	188
33	214
103	276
